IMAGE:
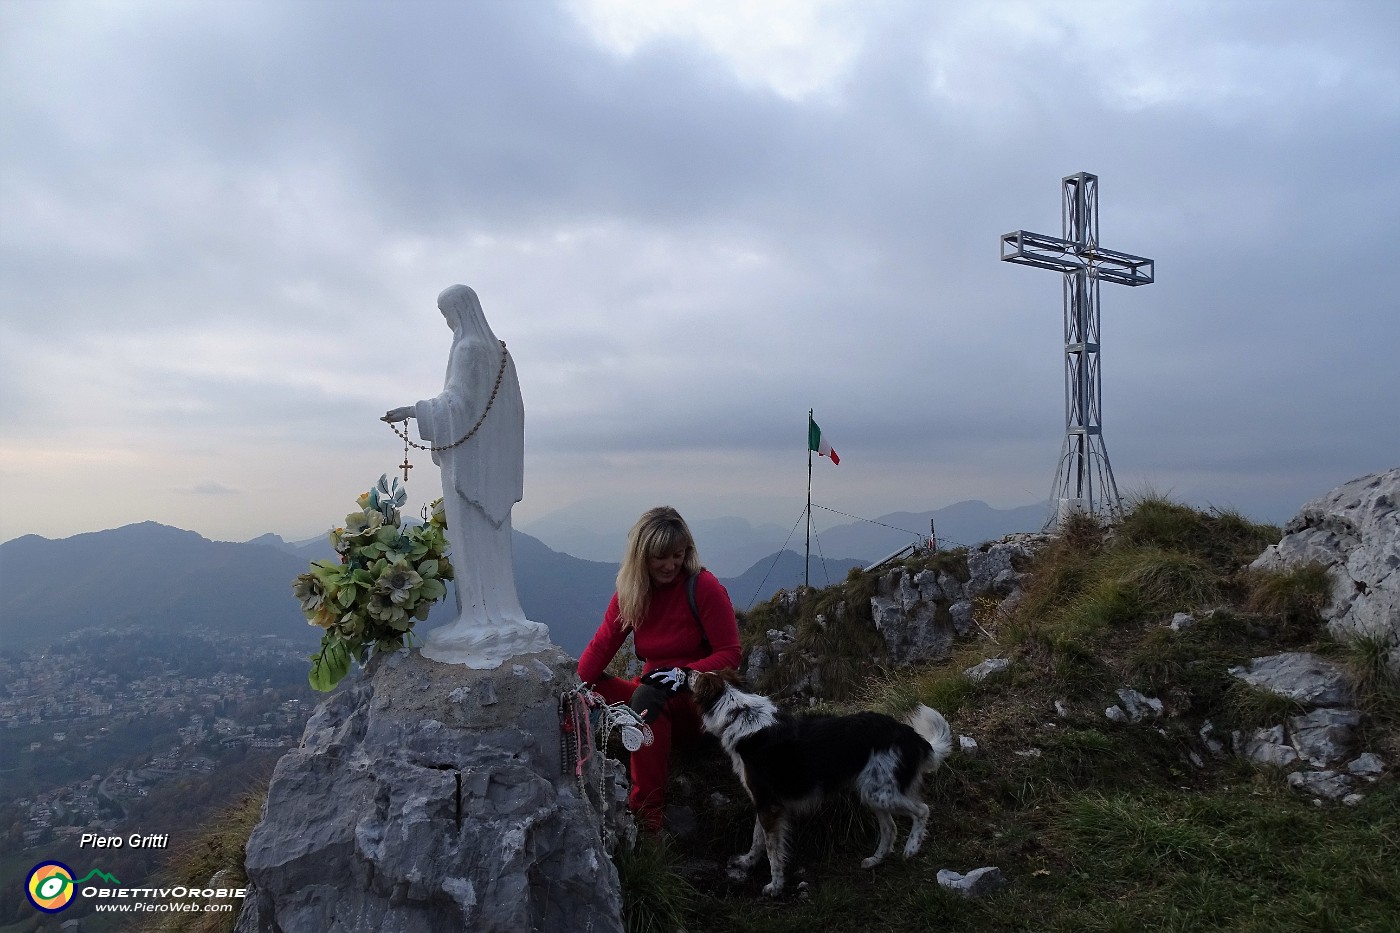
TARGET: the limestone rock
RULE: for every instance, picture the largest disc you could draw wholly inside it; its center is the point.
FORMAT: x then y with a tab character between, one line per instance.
1132	706
1300	676
886	612
1208	739
930	585
1268	747
1138	706
976	883
1368	766
1354	531
763	656
759	660
987	668
911	627
920	612
1323	736
992	569
1329	785
429	797
961	614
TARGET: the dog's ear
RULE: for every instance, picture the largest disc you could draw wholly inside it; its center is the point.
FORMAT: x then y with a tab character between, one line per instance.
732	677
706	688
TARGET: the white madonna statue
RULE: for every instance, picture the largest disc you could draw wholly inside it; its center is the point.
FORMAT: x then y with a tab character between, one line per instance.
476	431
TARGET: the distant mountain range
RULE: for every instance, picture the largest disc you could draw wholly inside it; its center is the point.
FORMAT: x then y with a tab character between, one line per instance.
784	571
159	577
597	530
170	580
964	524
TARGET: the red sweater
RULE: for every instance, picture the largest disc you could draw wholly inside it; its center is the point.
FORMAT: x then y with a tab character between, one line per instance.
669	636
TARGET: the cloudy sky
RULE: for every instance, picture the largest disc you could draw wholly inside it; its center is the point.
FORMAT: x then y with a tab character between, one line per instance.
224	225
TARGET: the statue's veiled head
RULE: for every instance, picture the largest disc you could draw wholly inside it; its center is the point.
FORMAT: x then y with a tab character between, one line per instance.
462	310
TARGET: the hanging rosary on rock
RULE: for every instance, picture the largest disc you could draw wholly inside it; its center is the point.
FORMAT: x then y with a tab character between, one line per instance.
578	707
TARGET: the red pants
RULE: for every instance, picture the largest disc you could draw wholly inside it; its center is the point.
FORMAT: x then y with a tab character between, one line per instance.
679	725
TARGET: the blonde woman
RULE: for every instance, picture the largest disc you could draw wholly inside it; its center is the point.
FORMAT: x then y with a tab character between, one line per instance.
672	634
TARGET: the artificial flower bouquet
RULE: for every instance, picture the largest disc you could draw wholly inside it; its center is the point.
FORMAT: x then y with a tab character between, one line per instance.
388	577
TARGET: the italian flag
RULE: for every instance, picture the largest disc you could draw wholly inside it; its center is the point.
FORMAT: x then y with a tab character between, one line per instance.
817	442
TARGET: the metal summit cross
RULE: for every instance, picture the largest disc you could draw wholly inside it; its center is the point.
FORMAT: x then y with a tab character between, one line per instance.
1077	254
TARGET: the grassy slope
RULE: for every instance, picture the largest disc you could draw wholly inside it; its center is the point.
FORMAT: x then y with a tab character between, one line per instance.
1101	827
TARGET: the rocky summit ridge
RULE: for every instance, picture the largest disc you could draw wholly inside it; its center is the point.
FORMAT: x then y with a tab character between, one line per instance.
429	797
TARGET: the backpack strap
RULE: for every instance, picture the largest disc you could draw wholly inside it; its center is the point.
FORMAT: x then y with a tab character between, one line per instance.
690	596
695	611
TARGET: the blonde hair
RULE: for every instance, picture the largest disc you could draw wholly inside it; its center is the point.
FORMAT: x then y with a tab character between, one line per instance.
659	531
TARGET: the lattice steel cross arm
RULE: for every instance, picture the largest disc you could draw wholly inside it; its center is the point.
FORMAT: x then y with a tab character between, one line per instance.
1077	250
1048	252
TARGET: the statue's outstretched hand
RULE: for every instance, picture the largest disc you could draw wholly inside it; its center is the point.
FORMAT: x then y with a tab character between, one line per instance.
398	414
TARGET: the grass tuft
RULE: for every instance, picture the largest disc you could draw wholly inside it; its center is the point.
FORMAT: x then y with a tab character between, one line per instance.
895	693
1250	707
1223	538
655	897
1294	596
217	851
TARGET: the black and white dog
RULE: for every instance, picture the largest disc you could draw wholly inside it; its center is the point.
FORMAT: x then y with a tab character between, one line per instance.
788	763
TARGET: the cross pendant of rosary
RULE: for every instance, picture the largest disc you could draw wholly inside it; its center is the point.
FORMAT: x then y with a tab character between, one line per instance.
405	466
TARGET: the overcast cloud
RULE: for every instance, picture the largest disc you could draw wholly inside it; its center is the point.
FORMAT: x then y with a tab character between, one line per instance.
224	225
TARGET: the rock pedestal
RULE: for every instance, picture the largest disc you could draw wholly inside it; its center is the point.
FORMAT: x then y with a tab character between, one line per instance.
429	797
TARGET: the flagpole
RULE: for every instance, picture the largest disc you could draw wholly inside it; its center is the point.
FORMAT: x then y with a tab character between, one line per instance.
807	561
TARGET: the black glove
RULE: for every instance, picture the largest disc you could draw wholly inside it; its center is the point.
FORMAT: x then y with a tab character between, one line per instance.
647	701
672	680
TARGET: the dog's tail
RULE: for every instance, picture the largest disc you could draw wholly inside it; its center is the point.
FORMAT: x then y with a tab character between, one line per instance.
930	724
